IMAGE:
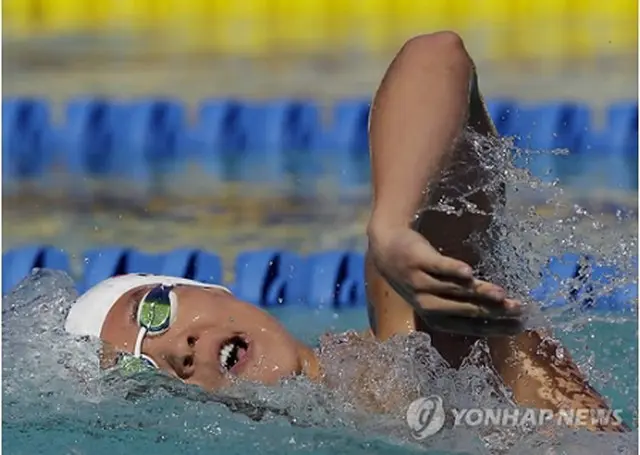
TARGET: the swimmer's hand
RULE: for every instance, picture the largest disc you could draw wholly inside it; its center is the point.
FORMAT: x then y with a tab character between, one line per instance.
442	290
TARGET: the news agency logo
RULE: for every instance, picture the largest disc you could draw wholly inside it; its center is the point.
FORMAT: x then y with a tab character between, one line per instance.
426	416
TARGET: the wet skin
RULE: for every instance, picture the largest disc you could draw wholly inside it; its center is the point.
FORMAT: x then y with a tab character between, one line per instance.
206	321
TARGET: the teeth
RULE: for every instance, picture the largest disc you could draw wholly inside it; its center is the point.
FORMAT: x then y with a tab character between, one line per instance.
225	354
230	351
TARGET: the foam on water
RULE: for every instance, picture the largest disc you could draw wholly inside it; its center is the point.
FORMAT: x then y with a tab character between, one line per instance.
56	399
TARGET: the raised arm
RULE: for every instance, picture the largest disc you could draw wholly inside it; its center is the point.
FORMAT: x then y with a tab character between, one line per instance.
417	118
419	268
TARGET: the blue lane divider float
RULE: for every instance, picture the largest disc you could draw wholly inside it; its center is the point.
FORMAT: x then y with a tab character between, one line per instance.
335	279
579	281
598	294
194	264
503	112
326	279
219	138
347	142
541	132
144	262
87	137
138	139
27	138
622	299
102	263
18	263
622	141
150	136
269	278
257	142
561	279
557	127
281	137
609	157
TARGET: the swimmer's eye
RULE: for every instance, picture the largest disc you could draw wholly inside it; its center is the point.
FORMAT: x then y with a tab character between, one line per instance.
139	296
136	299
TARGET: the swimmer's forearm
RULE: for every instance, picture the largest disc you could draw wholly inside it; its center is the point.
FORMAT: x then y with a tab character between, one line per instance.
540	373
418	112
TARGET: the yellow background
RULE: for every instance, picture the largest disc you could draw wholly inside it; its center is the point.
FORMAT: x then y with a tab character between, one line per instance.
499	29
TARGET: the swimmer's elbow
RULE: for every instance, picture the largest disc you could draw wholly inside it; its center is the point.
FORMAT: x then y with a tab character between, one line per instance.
442	48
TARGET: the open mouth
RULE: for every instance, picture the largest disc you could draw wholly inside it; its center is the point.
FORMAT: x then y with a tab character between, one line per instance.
232	351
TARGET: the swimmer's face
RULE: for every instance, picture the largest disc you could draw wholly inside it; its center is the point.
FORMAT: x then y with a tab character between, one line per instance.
213	338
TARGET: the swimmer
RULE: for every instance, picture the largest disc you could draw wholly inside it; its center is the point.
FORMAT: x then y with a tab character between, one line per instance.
421	273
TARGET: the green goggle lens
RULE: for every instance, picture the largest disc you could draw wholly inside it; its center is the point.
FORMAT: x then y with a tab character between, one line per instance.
155	314
155	310
131	365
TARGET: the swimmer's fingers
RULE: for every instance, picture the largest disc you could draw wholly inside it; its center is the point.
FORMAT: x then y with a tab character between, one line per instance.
477	292
444	275
470	309
468	318
436	264
478	327
425	258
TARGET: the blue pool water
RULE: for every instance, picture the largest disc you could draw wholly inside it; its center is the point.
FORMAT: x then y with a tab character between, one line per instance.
55	400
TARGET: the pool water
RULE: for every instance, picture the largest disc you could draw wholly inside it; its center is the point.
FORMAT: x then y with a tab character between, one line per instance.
52	408
55	401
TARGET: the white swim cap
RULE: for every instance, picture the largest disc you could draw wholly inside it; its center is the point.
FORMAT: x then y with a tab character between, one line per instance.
89	312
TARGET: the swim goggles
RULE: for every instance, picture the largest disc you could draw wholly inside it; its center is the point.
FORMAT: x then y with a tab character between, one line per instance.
156	312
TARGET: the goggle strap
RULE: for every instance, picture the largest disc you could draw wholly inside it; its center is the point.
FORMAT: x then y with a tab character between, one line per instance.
149	360
138	348
173	299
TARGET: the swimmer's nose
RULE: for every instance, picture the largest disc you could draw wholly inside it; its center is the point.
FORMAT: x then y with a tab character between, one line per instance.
182	355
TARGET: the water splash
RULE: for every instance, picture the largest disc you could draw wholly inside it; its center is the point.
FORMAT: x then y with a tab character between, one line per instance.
52	382
37	353
60	387
521	240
